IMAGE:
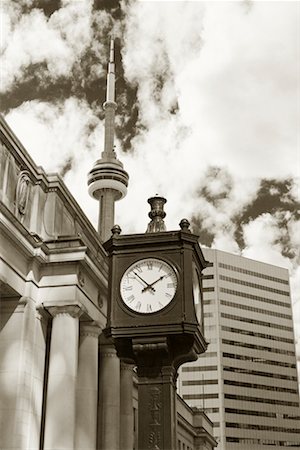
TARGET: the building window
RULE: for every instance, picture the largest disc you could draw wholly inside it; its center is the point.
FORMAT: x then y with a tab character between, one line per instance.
259	373
208	289
250	426
249	412
254	285
260	386
199	368
207	277
198	382
259	360
246	398
258	347
254	274
257	322
199	396
208	354
257	310
256	334
255	297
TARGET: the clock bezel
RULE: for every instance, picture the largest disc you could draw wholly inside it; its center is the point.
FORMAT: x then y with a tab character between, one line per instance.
171	265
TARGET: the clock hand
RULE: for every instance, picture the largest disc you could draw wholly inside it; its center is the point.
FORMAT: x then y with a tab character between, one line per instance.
150	286
145	282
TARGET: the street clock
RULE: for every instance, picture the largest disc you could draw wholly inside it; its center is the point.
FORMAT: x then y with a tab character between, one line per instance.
154	316
155	288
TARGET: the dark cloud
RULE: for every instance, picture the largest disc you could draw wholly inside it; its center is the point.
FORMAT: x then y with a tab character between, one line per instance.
47	6
36	84
217	185
66	167
206	237
113	7
273	197
87	77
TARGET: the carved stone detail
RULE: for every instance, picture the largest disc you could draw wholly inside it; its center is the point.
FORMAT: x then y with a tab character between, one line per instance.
101	299
22	192
155	409
81	279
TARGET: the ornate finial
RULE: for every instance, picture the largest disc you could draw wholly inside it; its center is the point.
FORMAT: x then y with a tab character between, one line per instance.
157	215
184	225
116	230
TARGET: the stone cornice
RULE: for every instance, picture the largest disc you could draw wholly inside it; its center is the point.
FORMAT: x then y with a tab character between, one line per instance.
63	250
29	243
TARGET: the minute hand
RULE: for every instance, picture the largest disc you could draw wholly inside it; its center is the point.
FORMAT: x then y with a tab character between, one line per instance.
150	286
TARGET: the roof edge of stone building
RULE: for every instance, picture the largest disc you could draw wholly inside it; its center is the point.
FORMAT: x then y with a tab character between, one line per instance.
48	183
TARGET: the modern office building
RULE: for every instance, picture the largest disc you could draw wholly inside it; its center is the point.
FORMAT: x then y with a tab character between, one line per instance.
246	382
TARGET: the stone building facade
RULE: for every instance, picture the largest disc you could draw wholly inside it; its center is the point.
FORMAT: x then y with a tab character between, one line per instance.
55	367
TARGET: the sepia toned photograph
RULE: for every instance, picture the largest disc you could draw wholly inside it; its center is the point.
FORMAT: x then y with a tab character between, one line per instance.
149	225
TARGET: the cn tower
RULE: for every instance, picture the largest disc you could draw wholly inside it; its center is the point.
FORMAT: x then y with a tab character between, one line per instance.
108	181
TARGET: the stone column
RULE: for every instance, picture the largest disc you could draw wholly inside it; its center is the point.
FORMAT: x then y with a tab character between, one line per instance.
109	398
61	390
126	407
87	387
22	355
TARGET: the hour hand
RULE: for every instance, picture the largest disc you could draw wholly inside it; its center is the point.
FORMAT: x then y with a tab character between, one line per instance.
148	286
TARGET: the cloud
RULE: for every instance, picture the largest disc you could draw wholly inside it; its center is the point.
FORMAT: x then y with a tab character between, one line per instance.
32	38
262	241
230	73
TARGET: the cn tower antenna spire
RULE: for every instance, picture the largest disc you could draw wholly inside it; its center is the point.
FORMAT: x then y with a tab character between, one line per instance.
110	88
110	106
108	181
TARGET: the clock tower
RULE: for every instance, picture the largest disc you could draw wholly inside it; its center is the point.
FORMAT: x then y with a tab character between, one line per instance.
154	316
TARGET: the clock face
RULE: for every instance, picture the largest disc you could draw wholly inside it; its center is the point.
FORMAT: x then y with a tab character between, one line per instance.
197	293
148	285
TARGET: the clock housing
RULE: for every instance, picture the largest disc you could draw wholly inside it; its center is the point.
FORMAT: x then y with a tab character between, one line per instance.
178	250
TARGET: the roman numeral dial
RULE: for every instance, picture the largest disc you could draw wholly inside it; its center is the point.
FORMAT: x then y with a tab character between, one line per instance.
148	285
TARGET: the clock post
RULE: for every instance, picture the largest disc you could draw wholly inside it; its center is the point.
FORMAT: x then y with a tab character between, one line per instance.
154	316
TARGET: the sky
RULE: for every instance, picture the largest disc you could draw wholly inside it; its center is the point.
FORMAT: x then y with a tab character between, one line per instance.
208	112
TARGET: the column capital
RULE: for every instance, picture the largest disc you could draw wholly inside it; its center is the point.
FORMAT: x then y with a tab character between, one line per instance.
74	311
126	366
108	351
90	329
